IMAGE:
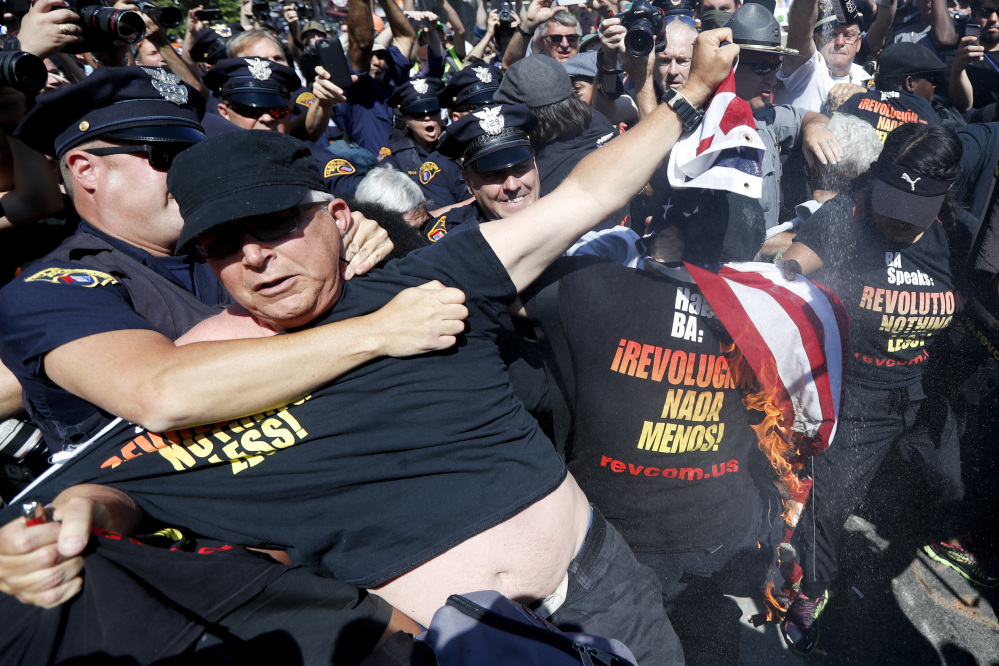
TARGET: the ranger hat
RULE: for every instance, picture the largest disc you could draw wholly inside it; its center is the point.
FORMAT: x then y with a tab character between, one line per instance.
903	194
473	85
137	104
490	138
755	28
253	81
417	95
240	174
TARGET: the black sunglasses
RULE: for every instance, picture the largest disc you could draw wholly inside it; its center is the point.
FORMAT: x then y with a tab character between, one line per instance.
986	12
555	40
276	112
227	240
159	155
764	68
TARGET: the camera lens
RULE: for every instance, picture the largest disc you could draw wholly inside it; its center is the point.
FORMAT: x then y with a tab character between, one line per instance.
640	39
100	23
23	71
167	17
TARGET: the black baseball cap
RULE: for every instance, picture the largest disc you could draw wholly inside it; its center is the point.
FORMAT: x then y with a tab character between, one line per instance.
240	174
904	194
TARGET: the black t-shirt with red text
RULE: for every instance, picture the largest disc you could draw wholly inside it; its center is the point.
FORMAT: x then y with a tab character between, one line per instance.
899	296
885	110
660	438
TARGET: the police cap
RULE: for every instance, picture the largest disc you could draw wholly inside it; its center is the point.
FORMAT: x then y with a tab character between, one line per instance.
472	86
209	44
490	138
253	81
140	104
417	95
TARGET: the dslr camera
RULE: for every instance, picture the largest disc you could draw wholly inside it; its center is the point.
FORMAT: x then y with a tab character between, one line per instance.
23	71
506	13
103	26
165	16
646	26
262	11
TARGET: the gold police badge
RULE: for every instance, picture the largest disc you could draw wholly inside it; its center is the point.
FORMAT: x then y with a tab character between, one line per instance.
427	171
338	167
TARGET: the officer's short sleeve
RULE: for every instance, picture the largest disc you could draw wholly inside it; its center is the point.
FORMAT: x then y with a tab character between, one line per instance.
787	124
50	305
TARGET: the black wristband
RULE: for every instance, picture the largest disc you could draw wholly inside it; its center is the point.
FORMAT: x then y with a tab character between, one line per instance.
690	116
524	32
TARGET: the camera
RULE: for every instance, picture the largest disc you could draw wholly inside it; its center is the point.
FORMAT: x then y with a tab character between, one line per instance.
23	71
505	13
304	12
165	16
646	26
103	26
262	11
210	15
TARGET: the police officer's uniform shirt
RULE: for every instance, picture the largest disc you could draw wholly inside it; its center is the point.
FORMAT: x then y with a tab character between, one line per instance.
779	127
439	177
899	296
52	303
459	218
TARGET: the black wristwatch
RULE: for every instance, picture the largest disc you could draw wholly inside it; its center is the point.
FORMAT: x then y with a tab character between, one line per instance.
690	116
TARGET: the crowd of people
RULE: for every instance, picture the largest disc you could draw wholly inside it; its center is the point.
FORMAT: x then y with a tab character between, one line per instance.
264	405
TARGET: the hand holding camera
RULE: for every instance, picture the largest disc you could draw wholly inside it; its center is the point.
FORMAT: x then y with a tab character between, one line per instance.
48	28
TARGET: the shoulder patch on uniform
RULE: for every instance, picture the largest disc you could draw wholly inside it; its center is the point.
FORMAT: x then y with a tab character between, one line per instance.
439	230
305	99
338	167
383	153
79	277
427	171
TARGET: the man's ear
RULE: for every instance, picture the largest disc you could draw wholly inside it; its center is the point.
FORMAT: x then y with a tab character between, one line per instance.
341	215
909	84
223	110
464	177
83	169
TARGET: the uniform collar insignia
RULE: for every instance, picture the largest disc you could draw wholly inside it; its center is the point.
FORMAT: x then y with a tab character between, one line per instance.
483	74
490	120
259	68
168	85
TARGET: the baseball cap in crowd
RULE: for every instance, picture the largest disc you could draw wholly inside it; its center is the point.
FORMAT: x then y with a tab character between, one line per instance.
901	193
255	82
755	28
714	18
490	138
240	174
582	64
131	104
472	86
315	26
535	81
419	95
907	59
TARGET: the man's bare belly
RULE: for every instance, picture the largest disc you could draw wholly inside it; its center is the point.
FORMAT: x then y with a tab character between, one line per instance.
525	558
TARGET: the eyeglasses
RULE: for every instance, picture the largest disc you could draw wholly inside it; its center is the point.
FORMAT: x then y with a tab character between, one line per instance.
986	12
682	18
159	155
848	37
277	113
227	240
765	67
555	40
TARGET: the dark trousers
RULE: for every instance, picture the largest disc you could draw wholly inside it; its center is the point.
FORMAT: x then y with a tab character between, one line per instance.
611	595
923	431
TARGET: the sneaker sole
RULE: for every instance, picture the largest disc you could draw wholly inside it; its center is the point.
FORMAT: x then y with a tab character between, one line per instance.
801	653
932	554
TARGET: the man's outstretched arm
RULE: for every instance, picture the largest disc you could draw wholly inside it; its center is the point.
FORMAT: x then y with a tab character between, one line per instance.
606	179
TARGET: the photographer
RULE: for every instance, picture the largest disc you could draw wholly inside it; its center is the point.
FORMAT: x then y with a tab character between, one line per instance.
974	74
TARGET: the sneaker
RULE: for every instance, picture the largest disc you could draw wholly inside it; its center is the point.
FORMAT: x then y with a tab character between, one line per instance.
962	561
801	624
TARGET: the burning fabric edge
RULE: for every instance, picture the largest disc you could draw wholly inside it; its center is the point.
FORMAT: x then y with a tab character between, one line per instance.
793	335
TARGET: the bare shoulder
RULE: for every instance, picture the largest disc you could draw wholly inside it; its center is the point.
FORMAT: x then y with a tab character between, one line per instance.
234	323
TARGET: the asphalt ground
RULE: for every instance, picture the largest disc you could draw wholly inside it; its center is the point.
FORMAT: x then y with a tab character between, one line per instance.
892	604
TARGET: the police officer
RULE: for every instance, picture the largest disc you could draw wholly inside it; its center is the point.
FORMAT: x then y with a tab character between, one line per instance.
497	161
470	89
414	154
88	330
256	94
